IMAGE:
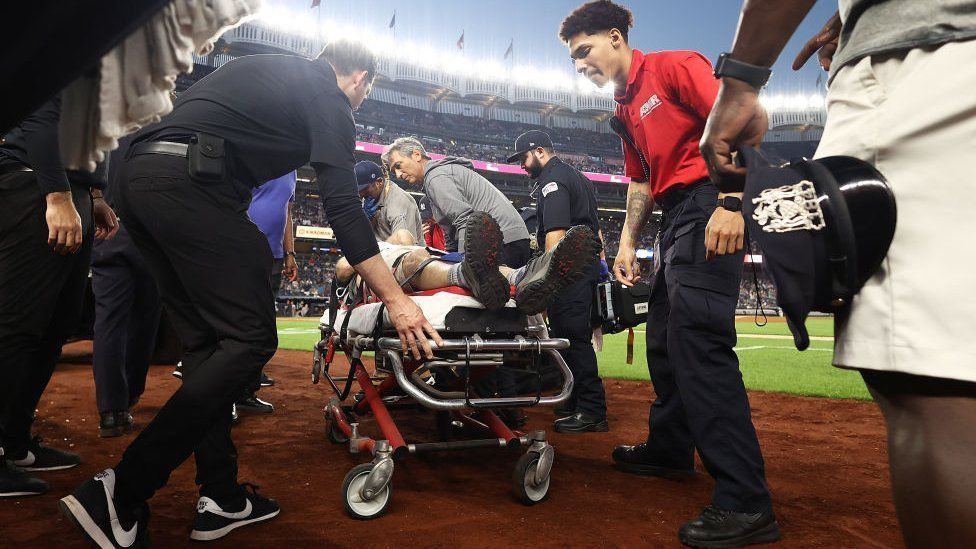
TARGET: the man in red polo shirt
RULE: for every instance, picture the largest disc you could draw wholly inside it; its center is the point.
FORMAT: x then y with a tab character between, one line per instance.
663	99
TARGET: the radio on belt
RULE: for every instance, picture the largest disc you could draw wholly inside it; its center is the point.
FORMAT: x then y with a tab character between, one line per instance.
619	307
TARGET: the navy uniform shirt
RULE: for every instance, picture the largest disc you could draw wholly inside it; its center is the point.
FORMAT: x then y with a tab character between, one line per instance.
566	198
276	113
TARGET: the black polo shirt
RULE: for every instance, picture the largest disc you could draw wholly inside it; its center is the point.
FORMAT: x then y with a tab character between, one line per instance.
34	144
276	113
565	198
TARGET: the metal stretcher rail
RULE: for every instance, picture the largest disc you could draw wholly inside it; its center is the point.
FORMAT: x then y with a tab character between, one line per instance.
460	403
475	344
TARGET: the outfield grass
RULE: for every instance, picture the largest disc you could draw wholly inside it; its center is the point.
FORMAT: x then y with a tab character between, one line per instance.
768	364
817	326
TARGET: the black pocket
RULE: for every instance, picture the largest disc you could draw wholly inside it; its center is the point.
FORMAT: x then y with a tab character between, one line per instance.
683	245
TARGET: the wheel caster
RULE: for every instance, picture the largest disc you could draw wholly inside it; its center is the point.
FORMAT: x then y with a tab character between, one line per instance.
531	481
362	502
334	433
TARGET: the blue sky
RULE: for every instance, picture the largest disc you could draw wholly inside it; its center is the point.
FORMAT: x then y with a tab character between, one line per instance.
489	25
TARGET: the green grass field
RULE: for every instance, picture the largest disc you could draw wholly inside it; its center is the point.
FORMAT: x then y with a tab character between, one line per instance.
769	362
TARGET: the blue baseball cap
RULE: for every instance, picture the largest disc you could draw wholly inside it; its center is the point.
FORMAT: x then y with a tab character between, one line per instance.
366	173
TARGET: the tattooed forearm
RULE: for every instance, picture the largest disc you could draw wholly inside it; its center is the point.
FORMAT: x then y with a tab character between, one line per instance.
639	207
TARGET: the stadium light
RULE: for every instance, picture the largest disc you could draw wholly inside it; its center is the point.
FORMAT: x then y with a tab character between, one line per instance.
795	102
303	24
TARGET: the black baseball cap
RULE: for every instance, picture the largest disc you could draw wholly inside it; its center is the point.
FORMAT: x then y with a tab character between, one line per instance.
426	212
528	141
824	227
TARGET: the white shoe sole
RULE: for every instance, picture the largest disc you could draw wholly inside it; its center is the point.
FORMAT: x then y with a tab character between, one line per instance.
52	468
19	494
211	535
76	513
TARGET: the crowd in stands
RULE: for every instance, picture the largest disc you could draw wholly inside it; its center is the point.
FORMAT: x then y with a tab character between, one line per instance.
481	138
316	271
747	291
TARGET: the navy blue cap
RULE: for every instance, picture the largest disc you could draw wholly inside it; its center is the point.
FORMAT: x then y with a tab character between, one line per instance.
366	173
824	227
528	141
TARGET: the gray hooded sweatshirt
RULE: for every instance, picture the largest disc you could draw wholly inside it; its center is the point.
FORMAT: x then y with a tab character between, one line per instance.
455	190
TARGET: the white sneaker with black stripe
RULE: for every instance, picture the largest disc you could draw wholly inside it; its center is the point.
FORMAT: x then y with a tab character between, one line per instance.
214	521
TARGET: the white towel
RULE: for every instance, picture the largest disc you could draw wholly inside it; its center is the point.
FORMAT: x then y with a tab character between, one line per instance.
136	77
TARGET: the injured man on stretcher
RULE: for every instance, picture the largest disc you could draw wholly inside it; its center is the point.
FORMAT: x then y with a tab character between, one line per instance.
479	269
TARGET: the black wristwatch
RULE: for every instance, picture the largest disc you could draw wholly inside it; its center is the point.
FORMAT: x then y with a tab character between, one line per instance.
730	203
754	75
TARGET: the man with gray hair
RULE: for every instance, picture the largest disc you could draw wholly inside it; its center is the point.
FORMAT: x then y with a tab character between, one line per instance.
455	191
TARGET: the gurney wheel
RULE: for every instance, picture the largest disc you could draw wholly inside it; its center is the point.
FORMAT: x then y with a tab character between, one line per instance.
355	505
528	491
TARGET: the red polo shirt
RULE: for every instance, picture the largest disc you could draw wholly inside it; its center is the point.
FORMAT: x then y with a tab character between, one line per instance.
664	107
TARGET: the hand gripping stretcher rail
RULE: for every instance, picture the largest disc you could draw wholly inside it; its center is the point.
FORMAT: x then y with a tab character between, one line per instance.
477	342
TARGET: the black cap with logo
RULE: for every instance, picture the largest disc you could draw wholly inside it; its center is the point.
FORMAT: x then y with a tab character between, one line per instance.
824	227
528	141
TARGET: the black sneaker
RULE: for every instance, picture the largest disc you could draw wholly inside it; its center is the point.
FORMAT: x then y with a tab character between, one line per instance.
251	403
92	509
15	482
483	247
214	522
581	423
564	412
266	381
113	424
639	460
547	274
178	371
42	458
720	528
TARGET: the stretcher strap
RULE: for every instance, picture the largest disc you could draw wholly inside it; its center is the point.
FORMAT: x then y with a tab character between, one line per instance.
406	283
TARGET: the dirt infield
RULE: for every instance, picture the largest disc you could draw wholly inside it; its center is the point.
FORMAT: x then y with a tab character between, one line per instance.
825	459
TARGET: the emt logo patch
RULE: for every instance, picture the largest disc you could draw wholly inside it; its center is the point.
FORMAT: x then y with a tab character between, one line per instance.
653	102
550	187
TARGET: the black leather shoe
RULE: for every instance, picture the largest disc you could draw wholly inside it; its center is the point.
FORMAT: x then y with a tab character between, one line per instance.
124	419
720	528
564	412
108	426
266	381
251	403
639	461
581	423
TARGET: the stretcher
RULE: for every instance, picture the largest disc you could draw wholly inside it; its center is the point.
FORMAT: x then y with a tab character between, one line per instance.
476	343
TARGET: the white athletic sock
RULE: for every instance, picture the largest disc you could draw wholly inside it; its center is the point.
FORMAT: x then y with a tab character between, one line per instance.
456	276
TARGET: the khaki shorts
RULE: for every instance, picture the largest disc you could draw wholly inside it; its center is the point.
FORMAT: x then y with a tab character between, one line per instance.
912	115
390	254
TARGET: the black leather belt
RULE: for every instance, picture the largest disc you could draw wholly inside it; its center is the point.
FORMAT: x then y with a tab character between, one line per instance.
161	147
676	195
